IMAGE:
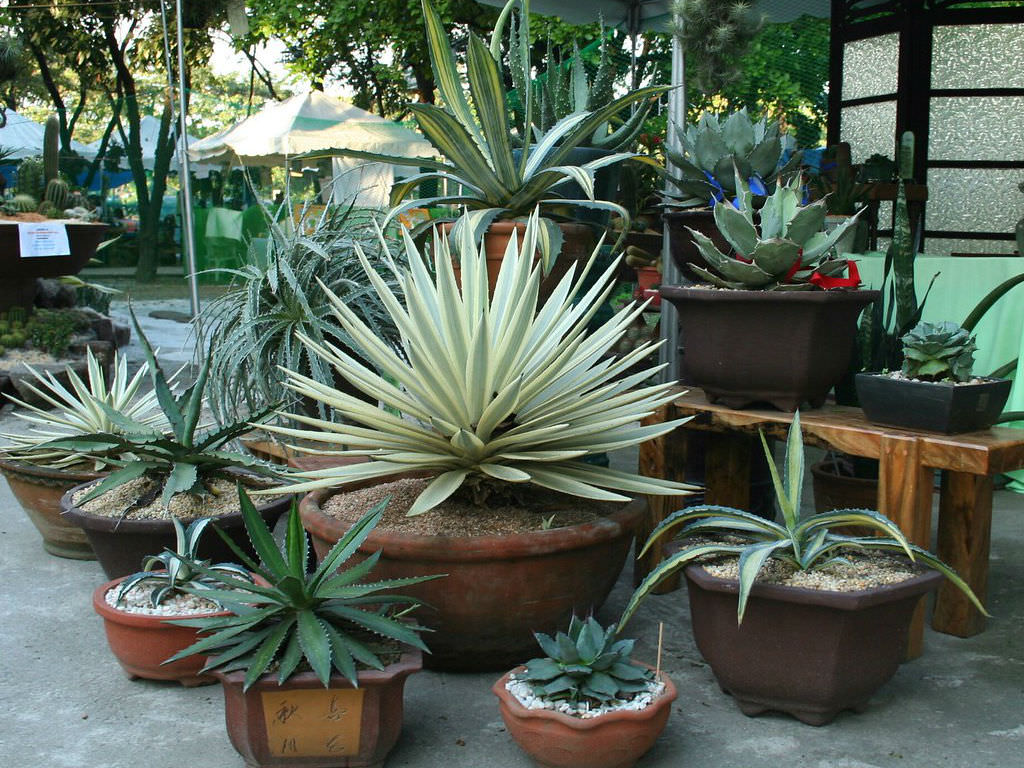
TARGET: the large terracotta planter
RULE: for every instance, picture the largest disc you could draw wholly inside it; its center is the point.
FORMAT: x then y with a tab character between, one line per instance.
499	590
121	545
141	642
556	740
785	348
39	490
806	652
301	723
577	246
18	275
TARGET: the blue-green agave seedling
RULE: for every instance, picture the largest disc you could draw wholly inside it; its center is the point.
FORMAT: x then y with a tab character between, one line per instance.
588	663
938	352
322	617
806	543
173	572
787	249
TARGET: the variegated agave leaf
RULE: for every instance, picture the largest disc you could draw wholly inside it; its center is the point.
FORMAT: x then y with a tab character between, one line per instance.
487	389
77	409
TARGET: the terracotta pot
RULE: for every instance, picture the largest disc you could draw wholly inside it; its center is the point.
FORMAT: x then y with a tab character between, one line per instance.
545	575
647	277
38	490
556	740
933	406
121	545
141	642
805	652
301	723
683	250
577	245
785	348
18	275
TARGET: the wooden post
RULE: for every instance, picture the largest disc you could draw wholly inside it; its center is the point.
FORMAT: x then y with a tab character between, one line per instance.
905	497
965	534
727	469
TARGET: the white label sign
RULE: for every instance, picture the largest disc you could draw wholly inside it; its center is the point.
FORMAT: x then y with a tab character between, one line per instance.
43	238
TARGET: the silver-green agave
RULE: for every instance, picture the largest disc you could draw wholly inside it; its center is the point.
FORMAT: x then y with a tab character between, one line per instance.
487	391
78	409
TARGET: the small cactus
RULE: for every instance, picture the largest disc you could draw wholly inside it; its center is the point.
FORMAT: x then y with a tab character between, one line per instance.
57	193
938	352
49	210
23	203
30	177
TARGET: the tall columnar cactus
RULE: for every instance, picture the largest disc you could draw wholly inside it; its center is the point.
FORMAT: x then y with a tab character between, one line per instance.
938	352
51	148
1020	228
787	251
717	33
901	249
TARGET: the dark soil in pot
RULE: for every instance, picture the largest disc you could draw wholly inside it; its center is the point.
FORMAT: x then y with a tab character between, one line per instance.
783	348
499	588
121	544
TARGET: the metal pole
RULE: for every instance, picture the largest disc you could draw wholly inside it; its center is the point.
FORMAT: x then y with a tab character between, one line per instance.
184	172
670	275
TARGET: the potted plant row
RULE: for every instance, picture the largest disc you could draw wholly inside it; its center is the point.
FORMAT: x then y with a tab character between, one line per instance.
797	616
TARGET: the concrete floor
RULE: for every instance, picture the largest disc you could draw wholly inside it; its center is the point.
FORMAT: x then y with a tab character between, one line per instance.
66	703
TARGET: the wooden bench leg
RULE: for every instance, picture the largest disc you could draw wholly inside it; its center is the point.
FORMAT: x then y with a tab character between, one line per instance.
965	533
663	457
905	497
727	469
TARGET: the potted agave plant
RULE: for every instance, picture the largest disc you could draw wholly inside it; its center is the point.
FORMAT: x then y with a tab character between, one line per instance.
935	389
137	609
313	663
586	704
777	320
495	403
185	473
39	477
761	591
501	173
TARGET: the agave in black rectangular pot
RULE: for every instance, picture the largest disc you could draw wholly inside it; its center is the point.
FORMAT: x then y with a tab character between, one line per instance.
933	406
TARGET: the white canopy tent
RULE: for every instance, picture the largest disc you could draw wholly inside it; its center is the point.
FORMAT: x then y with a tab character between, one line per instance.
149	134
24	138
315	122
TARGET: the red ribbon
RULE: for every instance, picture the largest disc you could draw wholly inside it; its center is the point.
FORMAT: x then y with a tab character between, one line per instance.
838	282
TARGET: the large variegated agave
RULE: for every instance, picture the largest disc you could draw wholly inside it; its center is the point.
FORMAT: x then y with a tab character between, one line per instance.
80	409
489	391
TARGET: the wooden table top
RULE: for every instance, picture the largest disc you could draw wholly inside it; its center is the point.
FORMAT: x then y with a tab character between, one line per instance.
844	428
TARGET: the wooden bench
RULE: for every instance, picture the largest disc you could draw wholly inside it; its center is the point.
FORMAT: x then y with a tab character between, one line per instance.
907	459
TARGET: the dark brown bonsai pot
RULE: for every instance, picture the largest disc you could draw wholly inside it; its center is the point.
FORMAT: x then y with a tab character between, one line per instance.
683	249
935	406
301	723
142	642
805	652
39	490
121	545
499	590
785	348
557	740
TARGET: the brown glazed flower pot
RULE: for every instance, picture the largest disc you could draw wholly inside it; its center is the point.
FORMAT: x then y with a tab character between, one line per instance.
556	740
806	652
140	642
121	545
39	490
836	490
683	250
785	348
301	723
499	590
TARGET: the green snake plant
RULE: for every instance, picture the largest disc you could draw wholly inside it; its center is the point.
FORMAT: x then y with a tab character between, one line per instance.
497	174
486	392
807	543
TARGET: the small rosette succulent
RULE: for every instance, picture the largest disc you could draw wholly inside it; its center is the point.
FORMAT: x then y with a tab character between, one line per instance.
588	663
938	352
787	249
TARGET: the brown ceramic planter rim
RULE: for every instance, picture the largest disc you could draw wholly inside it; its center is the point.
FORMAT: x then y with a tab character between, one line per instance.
842	601
517	710
530	543
410	661
853	295
48	473
93	522
110	613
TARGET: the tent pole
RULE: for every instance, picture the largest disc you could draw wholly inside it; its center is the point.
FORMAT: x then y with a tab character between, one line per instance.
669	352
184	171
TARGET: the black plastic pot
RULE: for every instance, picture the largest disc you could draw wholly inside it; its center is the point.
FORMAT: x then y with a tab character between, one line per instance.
785	348
933	406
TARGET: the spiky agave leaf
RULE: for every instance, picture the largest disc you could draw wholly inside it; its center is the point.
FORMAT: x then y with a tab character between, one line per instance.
487	388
